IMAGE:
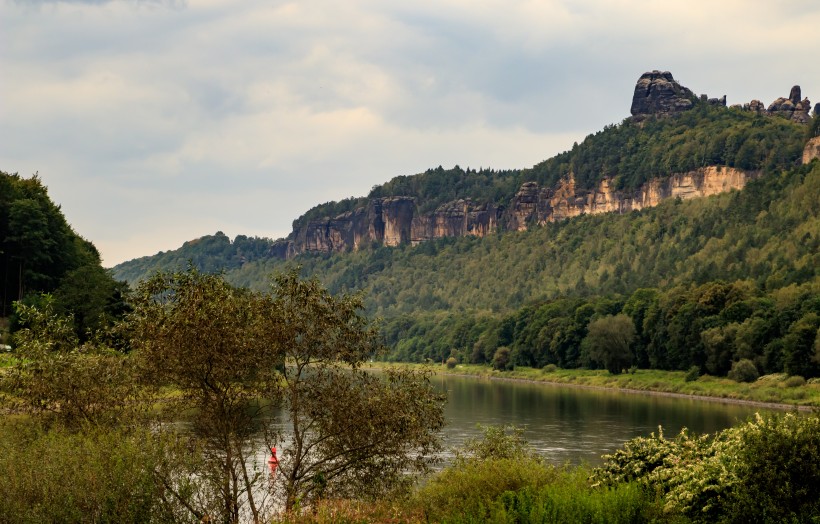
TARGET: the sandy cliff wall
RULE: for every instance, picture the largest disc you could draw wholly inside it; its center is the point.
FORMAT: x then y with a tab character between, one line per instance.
396	220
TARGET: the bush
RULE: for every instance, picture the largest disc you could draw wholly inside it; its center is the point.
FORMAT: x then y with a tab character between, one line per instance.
766	470
778	470
794	381
451	362
693	374
101	475
550	368
744	370
501	359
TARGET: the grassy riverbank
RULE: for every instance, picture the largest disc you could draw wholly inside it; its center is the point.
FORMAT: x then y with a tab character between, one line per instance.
768	389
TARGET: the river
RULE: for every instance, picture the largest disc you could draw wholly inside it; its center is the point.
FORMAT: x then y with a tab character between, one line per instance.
574	425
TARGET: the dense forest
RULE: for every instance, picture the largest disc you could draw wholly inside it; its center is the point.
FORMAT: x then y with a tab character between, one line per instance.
210	253
704	283
40	253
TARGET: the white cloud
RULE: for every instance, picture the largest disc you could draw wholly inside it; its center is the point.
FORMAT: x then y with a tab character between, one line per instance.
154	122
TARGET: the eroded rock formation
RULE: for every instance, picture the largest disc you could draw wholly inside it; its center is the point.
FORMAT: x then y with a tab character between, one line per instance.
658	93
537	206
396	220
812	150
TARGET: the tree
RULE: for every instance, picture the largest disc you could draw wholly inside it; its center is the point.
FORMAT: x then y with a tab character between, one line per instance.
238	356
608	342
352	433
53	374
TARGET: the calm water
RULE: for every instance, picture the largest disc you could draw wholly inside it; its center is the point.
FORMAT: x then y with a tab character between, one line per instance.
571	424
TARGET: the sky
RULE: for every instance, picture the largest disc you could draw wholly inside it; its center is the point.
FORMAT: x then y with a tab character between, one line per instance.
153	122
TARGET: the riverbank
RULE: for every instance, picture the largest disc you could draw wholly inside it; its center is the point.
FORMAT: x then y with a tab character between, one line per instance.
770	391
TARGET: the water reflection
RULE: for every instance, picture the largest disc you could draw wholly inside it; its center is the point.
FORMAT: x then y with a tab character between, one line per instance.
573	425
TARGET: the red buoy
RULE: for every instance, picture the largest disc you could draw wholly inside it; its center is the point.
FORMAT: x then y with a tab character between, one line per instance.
273	462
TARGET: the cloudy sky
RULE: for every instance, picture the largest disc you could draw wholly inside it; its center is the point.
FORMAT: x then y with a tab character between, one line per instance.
153	122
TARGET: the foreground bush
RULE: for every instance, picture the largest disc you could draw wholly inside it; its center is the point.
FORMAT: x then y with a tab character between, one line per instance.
766	470
500	479
59	476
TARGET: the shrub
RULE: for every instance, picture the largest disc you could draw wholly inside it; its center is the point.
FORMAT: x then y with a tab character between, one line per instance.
693	374
778	470
550	368
501	359
451	362
794	381
53	475
744	370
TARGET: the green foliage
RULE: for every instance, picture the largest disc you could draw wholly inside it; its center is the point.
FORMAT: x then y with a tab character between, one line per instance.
54	374
451	363
40	253
693	374
608	342
777	471
744	370
499	478
501	359
100	475
209	254
765	470
795	381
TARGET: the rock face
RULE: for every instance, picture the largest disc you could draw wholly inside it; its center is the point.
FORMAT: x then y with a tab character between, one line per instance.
393	221
658	93
390	221
812	150
537	206
396	220
792	107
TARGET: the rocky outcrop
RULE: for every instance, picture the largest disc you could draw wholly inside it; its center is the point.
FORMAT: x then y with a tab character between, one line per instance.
658	93
812	150
396	220
390	221
792	107
537	206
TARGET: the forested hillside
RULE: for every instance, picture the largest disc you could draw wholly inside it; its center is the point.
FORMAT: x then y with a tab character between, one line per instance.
210	254
703	283
40	253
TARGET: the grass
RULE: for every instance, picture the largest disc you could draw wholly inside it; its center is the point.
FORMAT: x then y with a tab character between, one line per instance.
770	389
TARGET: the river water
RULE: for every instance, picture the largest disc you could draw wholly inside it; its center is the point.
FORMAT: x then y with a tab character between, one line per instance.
574	425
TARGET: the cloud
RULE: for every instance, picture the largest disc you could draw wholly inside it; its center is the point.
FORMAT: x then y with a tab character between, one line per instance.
154	122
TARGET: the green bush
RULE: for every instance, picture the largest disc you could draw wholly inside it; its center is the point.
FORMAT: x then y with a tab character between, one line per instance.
778	471
766	470
744	370
53	475
693	374
501	359
550	368
794	381
451	363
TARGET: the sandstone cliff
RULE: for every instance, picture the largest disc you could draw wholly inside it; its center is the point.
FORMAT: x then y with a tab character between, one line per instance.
812	150
395	220
536	206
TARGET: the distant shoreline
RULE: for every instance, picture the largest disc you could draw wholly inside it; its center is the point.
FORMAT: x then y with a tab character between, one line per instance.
492	375
648	392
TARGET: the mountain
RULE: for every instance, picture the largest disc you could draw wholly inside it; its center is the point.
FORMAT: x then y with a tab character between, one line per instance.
674	145
467	263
